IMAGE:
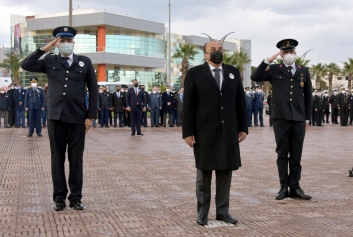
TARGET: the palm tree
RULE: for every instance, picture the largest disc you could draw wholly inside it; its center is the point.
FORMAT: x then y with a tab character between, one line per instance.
13	64
185	52
238	60
319	71
331	69
302	62
348	70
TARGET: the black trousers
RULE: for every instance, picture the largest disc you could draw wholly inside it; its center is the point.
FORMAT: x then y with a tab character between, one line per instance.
326	115
318	117
136	116
269	110
144	118
71	136
344	116
351	117
289	137
334	115
170	118
12	117
203	190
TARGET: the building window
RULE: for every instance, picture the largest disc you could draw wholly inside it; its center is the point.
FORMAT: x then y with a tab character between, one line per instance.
247	46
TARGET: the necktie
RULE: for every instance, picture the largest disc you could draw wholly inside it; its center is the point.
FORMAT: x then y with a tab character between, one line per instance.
217	77
181	98
66	62
289	68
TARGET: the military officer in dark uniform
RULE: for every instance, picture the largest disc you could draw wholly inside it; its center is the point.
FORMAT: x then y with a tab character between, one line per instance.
214	123
334	106
343	107
69	119
291	111
326	104
147	105
350	107
248	100
269	99
34	105
318	107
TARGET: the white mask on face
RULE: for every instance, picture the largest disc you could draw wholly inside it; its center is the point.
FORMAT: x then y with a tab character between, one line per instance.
259	91
247	92
34	84
66	48
168	90
122	90
159	91
154	92
289	59
2	92
100	91
343	92
335	93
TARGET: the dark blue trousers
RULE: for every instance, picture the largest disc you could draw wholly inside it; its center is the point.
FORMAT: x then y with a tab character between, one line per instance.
249	117
121	117
35	116
20	117
104	117
258	112
136	116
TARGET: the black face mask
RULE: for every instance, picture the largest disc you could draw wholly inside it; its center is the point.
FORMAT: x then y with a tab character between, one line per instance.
142	89
216	57
136	85
104	91
117	89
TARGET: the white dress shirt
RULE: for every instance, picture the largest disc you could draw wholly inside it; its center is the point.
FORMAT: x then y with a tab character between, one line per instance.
220	73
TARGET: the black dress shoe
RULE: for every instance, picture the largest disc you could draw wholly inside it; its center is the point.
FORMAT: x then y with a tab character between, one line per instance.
132	134
171	125
350	173
101	126
39	135
282	194
227	218
256	125
139	134
262	125
152	126
59	205
202	219
77	205
164	125
250	126
29	135
299	193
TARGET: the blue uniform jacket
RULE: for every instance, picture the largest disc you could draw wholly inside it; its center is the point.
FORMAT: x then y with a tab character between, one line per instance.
248	100
258	102
19	96
34	99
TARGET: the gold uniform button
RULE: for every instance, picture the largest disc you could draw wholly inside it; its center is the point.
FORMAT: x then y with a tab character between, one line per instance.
65	85
291	79
64	93
291	92
291	86
66	79
290	99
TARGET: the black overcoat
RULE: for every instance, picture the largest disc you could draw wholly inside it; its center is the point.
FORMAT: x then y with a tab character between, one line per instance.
215	117
66	98
118	103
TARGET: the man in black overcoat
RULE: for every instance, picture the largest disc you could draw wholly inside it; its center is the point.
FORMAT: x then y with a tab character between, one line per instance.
334	108
291	112
118	104
214	123
68	118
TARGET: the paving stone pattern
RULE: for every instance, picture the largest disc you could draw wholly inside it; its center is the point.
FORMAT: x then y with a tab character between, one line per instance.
145	186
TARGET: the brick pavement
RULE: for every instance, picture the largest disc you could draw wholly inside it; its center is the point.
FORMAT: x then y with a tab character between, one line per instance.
145	186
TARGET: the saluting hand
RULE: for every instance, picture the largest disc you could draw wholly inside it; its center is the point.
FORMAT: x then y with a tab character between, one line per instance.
190	141
50	45
270	59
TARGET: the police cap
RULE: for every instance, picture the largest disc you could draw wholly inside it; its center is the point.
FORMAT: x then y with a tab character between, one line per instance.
287	44
64	32
33	80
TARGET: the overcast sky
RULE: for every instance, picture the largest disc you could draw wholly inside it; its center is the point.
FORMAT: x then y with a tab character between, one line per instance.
323	25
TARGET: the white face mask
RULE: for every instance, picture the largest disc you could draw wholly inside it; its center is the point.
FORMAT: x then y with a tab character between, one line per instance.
122	91
247	92
259	91
168	90
159	91
34	84
66	48
100	91
343	92
335	93
2	92
289	59
154	92
12	87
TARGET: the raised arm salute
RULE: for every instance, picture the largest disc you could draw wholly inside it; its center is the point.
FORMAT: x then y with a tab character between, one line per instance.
291	107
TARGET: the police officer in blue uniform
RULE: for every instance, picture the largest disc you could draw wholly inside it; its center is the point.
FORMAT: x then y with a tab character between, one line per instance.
34	104
68	117
291	112
248	100
258	105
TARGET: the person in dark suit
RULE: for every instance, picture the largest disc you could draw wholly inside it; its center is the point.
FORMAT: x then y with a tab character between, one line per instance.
269	99
318	107
19	95
326	105
334	108
44	112
12	111
104	107
147	100
291	111
5	106
249	102
258	106
214	123
34	104
155	107
135	104
118	104
69	120
168	107
350	107
179	106
343	107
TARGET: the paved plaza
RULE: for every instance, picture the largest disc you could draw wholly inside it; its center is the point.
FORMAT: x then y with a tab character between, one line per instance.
145	186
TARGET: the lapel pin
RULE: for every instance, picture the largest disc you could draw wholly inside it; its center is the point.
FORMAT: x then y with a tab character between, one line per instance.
81	64
299	67
231	76
280	66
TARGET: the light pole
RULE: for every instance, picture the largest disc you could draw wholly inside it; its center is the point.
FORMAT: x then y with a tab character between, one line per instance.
169	49
70	13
